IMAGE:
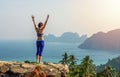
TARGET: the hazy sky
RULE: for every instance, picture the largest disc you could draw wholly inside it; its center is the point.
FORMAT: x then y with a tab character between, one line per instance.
81	16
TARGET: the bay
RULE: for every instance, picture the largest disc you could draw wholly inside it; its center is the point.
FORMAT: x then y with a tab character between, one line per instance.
21	50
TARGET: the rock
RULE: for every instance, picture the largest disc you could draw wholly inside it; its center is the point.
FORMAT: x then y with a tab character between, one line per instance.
27	66
4	67
19	69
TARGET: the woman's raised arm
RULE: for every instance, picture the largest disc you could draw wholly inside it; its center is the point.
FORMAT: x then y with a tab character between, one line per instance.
45	22
34	22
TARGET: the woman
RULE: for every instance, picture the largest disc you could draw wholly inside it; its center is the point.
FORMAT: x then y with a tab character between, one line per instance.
40	41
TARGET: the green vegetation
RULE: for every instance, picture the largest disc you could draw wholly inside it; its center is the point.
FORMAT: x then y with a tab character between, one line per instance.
86	68
27	61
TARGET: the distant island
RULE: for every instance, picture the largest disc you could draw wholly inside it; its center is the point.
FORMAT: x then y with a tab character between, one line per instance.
67	37
103	41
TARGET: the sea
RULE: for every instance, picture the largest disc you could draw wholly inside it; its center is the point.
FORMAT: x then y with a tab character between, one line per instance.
22	50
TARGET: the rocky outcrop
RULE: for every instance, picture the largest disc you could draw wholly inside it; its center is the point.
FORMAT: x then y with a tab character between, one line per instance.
19	69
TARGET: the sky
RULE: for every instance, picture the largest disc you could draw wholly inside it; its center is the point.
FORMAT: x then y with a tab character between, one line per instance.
80	16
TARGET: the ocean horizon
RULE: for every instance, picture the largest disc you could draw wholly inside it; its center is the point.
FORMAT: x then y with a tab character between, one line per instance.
53	51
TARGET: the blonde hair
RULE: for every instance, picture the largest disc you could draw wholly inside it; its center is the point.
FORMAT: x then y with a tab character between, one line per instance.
40	70
39	67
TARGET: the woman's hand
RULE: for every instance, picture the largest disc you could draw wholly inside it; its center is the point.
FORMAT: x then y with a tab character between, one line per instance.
32	17
47	16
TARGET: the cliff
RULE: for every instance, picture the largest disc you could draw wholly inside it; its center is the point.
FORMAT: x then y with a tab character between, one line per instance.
103	41
19	69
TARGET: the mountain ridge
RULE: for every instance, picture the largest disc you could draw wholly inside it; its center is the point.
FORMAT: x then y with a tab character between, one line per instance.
67	37
103	41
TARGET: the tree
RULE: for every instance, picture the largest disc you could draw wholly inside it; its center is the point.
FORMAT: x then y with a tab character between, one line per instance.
73	66
118	75
108	71
65	59
70	60
87	67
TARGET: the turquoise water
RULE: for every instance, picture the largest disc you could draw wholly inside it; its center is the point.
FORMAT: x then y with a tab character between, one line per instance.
25	50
